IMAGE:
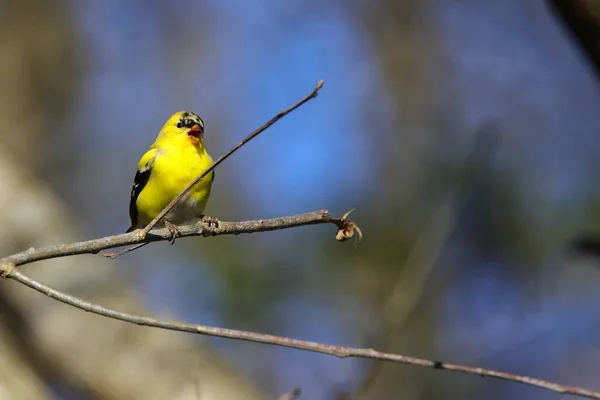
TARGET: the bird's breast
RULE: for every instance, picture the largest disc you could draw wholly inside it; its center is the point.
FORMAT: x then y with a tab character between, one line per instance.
177	169
172	172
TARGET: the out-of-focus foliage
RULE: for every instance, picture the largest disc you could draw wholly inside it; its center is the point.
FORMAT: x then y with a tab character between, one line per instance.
462	260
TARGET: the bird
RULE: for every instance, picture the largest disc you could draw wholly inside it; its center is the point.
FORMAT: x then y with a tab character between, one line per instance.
174	160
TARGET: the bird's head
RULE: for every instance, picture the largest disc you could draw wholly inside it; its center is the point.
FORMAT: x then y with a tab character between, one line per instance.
184	127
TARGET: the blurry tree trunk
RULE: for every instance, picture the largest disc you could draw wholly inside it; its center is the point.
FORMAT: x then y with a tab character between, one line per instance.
40	68
46	346
400	33
18	380
582	19
415	71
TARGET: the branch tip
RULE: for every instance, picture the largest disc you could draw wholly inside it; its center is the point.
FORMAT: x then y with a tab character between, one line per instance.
346	229
315	91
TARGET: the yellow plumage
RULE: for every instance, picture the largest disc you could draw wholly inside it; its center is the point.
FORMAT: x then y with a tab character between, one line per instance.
175	159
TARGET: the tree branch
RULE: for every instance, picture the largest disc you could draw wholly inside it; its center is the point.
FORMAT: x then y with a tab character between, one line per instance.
9	271
346	230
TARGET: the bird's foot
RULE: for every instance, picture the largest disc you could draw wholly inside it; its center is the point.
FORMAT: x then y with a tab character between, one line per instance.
210	221
174	231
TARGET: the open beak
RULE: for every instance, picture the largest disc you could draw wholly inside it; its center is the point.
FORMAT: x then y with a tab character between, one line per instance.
195	132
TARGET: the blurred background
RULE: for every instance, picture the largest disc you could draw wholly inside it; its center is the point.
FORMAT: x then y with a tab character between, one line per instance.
465	135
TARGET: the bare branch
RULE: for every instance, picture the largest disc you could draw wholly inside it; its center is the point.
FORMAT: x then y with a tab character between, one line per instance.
9	271
197	229
251	136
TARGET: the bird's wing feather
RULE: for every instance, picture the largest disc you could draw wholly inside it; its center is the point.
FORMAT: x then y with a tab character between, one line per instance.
139	182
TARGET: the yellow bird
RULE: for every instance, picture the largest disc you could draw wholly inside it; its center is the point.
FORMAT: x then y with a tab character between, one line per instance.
175	159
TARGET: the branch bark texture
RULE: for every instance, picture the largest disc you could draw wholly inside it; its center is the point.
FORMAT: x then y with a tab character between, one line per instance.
345	227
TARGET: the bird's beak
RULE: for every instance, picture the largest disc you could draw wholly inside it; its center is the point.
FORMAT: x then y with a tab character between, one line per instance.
195	132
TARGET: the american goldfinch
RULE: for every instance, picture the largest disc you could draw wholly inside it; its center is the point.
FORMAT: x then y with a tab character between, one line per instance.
175	159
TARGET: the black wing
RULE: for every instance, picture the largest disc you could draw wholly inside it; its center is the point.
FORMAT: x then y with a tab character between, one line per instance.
139	182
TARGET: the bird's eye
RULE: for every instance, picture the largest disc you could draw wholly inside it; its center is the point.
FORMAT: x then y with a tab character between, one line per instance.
179	124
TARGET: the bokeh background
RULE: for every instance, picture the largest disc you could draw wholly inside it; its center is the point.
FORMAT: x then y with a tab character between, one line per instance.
464	133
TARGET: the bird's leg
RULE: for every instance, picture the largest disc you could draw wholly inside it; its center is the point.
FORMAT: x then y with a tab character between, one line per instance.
210	221
173	231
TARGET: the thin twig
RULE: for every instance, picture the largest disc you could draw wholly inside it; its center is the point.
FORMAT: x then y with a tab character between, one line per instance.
251	136
9	271
116	254
198	229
